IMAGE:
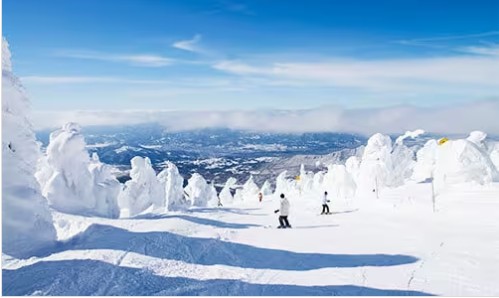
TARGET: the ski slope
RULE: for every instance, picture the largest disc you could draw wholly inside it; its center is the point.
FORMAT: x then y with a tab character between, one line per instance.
392	245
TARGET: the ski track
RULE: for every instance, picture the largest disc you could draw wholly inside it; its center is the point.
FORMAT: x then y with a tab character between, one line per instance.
214	253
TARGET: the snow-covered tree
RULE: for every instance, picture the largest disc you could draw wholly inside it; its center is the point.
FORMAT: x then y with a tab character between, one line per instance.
225	194
306	181
376	164
318	180
143	193
462	161
106	187
352	166
283	185
200	192
338	182
425	161
26	222
67	176
494	154
173	185
266	189
250	189
238	195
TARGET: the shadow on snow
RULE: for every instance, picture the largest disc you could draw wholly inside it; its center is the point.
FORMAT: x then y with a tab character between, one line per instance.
200	220
90	277
209	251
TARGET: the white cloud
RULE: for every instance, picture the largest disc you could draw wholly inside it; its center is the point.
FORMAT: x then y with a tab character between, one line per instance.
145	60
436	41
190	45
66	80
398	119
387	75
491	50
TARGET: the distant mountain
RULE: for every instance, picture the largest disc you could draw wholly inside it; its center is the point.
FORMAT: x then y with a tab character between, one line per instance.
214	153
218	154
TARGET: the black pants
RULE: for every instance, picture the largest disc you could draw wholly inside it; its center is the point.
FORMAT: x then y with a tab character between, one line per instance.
283	221
324	208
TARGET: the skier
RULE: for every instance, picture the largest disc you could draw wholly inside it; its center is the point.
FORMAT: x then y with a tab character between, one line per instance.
324	204
284	212
260	196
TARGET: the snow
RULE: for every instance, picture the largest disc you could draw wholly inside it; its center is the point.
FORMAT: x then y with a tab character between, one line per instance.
306	180
375	165
71	181
143	193
98	145
264	147
250	190
105	187
283	184
6	56
373	247
409	134
423	169
225	194
338	182
462	161
200	192
151	146
26	220
266	189
173	184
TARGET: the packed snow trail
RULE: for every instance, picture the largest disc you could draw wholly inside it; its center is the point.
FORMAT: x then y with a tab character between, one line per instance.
392	246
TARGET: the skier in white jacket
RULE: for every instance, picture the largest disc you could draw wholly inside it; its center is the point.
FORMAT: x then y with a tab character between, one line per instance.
284	212
325	207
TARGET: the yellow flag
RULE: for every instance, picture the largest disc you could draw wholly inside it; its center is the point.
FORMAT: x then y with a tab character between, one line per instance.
442	141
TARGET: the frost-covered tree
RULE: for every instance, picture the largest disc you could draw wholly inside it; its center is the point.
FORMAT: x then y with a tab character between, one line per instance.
225	194
338	182
143	193
456	161
425	161
200	192
250	189
26	220
71	181
462	161
318	180
283	185
306	181
376	164
106	187
173	185
266	189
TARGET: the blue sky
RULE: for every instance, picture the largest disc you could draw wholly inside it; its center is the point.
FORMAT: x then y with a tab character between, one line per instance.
226	55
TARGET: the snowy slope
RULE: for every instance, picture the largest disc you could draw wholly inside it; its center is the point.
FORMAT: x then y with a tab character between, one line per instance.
394	245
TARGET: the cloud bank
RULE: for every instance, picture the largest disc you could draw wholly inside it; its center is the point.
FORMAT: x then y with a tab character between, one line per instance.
453	119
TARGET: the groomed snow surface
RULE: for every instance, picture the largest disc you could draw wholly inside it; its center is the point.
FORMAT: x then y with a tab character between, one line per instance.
394	245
